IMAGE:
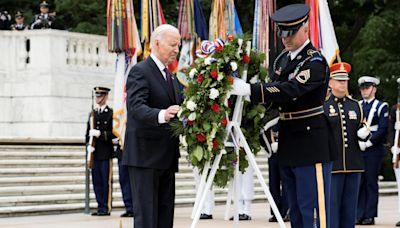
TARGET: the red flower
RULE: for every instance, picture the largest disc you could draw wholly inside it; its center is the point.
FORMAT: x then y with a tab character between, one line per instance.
201	137
190	122
246	59
215	108
230	79
219	49
215	144
230	37
224	122
214	74
200	78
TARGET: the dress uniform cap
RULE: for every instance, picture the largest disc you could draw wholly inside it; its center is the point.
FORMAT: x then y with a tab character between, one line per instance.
340	71
19	15
367	81
290	18
101	91
44	3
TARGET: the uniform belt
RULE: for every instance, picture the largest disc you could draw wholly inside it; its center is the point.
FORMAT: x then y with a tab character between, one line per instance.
301	114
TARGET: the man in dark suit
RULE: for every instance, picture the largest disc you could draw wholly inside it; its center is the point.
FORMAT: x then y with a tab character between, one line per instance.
103	151
151	149
306	149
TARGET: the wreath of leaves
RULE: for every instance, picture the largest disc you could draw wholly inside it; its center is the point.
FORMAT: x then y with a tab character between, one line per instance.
207	107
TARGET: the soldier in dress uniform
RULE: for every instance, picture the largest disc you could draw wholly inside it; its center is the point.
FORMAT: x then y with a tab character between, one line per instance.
103	152
44	20
19	23
377	114
394	126
124	184
5	20
346	117
306	148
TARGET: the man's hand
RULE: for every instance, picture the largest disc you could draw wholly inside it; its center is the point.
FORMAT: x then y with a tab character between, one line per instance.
363	132
90	149
395	150
397	125
240	87
94	132
170	112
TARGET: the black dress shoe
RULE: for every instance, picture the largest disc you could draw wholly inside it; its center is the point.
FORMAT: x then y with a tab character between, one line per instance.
358	221
100	214
368	221
398	223
127	214
206	216
244	217
273	219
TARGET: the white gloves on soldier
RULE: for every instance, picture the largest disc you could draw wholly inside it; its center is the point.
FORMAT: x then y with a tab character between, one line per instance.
240	87
94	132
363	132
395	150
274	147
364	145
397	125
90	149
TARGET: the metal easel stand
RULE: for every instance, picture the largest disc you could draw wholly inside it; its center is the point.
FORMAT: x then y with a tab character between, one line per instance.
238	139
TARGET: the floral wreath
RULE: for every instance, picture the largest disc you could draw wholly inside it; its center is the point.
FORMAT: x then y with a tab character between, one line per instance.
207	107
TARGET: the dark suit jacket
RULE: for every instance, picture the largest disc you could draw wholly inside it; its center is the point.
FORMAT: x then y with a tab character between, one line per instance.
149	144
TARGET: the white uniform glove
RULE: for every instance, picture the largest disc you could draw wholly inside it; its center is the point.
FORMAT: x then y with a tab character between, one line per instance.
363	132
395	150
94	132
274	147
90	149
397	125
240	87
364	145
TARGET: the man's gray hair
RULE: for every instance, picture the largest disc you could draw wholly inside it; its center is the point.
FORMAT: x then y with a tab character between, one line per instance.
159	32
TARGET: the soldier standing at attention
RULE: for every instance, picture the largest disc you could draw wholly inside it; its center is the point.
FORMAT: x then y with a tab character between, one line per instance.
377	116
346	117
103	152
44	20
306	149
19	23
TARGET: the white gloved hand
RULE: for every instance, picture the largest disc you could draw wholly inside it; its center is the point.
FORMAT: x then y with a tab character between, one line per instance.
395	150
274	147
397	125
94	132
363	132
90	149
240	87
364	145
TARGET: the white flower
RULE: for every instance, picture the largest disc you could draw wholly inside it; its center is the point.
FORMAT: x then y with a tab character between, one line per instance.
192	116
191	105
234	66
192	73
254	79
180	113
207	61
220	76
223	151
240	42
213	93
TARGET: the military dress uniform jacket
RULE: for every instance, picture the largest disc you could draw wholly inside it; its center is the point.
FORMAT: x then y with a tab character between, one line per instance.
104	148
300	87
20	27
43	21
346	117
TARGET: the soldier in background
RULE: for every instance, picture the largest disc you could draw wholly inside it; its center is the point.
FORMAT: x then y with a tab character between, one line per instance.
103	152
19	23
125	184
5	20
377	114
44	20
346	118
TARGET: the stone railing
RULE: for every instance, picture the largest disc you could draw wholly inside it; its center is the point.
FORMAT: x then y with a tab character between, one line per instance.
46	79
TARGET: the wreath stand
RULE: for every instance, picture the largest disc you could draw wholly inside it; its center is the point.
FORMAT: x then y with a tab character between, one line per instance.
235	138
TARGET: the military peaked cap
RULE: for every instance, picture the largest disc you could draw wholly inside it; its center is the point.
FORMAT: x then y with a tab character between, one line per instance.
44	3
19	15
367	81
340	71
101	91
290	18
